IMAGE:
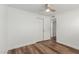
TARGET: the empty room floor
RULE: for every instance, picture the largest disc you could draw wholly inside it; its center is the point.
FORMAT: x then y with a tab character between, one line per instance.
44	47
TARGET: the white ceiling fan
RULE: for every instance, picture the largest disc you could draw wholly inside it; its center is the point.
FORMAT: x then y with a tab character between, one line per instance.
49	8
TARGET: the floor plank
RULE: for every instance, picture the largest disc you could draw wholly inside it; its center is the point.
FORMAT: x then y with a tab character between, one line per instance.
44	47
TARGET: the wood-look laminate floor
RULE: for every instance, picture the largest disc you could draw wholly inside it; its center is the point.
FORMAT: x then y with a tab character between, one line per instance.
44	47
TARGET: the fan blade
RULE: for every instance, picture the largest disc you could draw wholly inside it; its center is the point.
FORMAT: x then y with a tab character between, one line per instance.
51	7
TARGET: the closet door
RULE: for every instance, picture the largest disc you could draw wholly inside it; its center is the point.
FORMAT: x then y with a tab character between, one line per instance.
39	29
44	27
47	29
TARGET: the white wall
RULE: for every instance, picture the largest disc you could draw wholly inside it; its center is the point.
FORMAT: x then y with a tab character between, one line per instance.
19	28
68	28
25	28
3	28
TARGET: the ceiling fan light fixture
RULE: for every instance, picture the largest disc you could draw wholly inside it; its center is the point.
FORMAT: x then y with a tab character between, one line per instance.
47	10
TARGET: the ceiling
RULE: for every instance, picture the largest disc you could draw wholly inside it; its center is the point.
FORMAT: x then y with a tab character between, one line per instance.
37	8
